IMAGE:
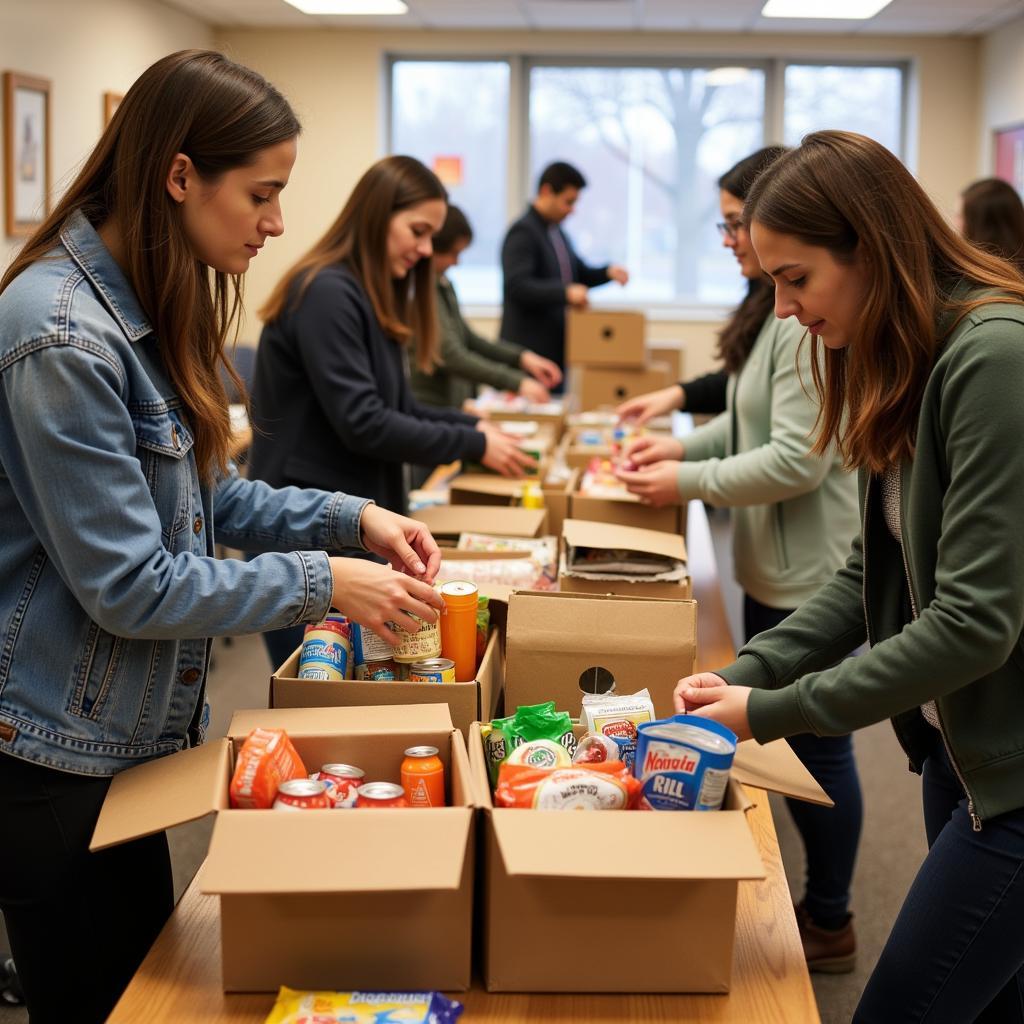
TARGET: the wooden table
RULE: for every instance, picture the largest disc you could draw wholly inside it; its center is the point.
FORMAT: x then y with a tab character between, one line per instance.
179	982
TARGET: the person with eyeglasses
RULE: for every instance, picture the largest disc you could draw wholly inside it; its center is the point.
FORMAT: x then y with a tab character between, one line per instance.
794	515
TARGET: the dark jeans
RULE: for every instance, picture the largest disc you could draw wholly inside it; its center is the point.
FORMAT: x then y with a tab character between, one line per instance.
830	834
956	951
80	923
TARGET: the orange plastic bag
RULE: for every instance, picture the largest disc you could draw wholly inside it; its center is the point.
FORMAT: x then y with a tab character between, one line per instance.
267	759
607	786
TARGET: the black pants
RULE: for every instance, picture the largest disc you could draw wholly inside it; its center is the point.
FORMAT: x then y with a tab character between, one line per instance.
80	923
830	835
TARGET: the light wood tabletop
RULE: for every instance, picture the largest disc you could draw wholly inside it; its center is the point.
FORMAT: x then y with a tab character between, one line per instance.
179	981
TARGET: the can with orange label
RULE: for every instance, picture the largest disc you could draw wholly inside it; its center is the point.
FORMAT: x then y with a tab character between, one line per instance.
302	795
381	794
423	777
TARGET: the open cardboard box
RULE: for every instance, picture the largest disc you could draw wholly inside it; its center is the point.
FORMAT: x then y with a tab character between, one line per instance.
628	510
496	516
557	644
333	900
604	337
485	489
561	891
580	533
465	702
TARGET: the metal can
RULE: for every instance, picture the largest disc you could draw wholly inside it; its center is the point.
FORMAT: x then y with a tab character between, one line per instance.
423	777
683	763
426	643
342	782
326	651
302	795
383	671
381	794
432	670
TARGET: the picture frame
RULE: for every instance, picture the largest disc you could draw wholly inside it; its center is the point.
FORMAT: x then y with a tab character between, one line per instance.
27	152
111	101
1008	159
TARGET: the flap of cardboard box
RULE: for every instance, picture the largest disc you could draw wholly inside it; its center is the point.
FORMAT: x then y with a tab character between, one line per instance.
158	794
582	533
627	844
487	483
299	722
451	520
775	767
337	851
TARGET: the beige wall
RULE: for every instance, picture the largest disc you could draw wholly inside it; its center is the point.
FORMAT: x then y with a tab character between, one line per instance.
336	81
1002	87
86	49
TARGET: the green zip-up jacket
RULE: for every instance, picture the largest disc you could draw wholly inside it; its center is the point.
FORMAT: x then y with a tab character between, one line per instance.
794	514
466	358
945	615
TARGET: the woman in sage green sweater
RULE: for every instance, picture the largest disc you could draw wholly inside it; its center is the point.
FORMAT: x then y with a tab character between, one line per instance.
465	358
794	516
923	342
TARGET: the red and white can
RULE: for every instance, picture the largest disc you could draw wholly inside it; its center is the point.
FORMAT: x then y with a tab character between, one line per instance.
302	795
342	781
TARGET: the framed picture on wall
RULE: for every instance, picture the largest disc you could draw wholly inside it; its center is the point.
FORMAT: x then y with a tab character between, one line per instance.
26	152
111	101
1009	157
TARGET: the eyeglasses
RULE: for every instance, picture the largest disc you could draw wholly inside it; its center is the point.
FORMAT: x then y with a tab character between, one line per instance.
729	228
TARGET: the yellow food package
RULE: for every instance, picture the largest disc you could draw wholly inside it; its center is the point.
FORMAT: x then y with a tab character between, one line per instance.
363	1008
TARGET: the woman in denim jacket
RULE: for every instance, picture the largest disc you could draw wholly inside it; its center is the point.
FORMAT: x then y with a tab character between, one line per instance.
114	435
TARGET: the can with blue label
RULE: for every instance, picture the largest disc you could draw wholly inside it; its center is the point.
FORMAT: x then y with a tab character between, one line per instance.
326	651
683	763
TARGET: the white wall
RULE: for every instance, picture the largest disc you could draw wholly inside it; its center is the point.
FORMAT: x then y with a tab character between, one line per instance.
86	49
335	79
1002	87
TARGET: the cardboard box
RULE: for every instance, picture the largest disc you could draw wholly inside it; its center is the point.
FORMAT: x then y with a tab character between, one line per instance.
557	888
606	386
604	337
466	702
578	447
629	511
557	644
330	900
578	533
485	489
671	354
474	512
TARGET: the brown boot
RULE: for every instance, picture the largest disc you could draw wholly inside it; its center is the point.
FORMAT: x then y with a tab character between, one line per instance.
830	951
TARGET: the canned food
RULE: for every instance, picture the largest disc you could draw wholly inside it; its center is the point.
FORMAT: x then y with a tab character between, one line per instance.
381	794
326	651
383	671
367	646
342	782
683	763
423	777
302	795
432	670
413	647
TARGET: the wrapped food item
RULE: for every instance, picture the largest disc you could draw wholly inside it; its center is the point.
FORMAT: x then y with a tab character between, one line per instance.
530	722
582	787
614	715
267	759
540	754
294	1007
594	748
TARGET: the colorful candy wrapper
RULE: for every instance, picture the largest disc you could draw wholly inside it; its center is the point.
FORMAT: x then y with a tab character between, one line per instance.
363	1008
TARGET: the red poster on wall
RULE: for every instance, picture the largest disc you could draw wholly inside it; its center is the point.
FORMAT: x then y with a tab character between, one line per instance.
1010	156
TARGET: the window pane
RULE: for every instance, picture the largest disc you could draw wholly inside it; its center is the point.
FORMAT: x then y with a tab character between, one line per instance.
651	143
453	115
854	99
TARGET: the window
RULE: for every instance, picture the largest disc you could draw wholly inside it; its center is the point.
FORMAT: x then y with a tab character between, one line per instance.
453	116
867	100
651	142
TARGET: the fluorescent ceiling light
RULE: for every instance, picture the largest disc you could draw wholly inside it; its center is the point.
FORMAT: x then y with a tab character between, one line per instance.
350	6
727	76
851	9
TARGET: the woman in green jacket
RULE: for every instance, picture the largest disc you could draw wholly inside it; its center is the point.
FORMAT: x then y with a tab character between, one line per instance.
793	515
922	338
466	359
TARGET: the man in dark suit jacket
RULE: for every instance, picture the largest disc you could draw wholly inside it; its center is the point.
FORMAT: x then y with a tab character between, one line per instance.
542	273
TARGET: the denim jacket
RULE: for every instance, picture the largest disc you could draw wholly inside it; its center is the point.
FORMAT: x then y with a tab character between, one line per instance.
109	587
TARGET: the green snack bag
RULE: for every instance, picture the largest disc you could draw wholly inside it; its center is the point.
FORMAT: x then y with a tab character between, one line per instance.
497	746
530	722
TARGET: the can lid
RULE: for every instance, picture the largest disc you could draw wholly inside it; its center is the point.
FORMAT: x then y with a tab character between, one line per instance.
302	787
345	770
380	790
421	752
460	592
426	664
342	628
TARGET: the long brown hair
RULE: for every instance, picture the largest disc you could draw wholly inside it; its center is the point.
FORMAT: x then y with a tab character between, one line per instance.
848	194
221	115
404	307
740	332
994	218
